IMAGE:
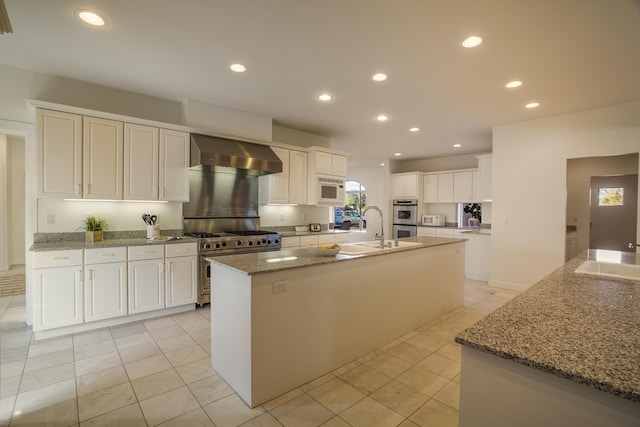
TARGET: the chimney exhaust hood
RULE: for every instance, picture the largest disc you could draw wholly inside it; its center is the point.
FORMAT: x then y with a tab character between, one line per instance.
218	153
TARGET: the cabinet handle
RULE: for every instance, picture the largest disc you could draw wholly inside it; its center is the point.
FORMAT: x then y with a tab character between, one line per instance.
105	255
80	188
161	267
60	257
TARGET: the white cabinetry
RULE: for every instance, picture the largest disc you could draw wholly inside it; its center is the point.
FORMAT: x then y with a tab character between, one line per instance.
103	167
146	278
406	185
313	240
57	289
476	188
427	231
430	182
174	165
306	241
181	274
289	186
445	187
59	138
477	256
485	176
463	186
327	163
450	187
105	283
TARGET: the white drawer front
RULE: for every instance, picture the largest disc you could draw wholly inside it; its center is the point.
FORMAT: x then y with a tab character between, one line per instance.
104	255
181	249
146	252
444	232
58	258
308	241
326	238
342	237
290	242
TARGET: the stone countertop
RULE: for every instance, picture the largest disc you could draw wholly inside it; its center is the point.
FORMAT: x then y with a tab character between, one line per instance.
310	233
268	262
483	231
107	243
580	327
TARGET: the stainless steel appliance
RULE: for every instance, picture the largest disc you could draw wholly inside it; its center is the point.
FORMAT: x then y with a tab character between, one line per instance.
405	218
228	243
222	211
433	220
330	191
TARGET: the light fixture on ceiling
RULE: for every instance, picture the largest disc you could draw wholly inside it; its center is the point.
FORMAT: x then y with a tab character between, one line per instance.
91	18
397	154
472	41
457	145
513	84
382	118
532	105
381	164
238	68
379	77
325	97
414	129
5	24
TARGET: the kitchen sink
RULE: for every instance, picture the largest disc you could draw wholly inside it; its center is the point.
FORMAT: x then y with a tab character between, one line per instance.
373	246
607	269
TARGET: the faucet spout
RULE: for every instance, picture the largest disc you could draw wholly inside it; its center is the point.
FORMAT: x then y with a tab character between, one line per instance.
377	209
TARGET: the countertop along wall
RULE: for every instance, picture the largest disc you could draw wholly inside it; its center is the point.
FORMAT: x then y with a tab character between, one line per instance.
529	185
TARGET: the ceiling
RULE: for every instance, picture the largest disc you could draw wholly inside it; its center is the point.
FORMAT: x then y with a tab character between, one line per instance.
571	55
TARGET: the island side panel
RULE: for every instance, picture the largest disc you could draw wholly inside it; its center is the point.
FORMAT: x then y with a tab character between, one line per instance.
498	392
332	314
231	328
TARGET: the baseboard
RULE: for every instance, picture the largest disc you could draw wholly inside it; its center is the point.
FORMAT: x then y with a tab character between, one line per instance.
508	285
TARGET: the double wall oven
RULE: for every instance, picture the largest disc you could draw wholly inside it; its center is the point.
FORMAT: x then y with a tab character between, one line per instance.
405	218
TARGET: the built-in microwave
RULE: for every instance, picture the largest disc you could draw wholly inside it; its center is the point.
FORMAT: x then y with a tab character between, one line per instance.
433	220
330	191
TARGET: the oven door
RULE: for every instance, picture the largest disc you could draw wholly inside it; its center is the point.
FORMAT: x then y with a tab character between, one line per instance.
405	214
400	231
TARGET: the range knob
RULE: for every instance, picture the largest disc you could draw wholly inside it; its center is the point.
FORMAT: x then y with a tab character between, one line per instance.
238	242
217	245
276	241
250	243
224	244
269	242
207	246
264	240
258	242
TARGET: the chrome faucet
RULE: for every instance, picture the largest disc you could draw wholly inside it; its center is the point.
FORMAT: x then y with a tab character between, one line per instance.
377	209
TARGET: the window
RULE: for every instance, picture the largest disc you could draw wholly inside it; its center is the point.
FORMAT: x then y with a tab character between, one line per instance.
611	196
355	202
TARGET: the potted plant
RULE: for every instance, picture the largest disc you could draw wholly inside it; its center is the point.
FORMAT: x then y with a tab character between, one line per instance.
94	227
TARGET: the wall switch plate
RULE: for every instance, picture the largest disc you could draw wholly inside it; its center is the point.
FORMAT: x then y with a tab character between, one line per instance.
51	219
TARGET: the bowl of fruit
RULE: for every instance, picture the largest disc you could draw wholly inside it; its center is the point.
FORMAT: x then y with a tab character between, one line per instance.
329	249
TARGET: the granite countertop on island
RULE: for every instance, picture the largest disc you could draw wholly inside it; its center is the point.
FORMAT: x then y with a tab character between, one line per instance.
267	262
580	327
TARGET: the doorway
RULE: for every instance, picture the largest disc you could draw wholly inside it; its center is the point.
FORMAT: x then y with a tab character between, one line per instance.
613	212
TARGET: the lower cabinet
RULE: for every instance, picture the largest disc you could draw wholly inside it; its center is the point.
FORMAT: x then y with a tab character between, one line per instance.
105	283
146	285
57	294
180	280
293	242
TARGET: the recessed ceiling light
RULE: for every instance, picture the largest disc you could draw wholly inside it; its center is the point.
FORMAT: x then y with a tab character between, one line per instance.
532	105
380	77
457	145
472	41
325	97
513	84
381	164
91	18
397	154
382	118
238	68
414	129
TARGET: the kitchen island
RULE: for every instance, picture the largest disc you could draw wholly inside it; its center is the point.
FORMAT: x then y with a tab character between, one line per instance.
281	319
565	352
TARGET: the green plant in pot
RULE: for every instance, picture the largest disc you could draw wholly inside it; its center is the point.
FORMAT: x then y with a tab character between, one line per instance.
94	227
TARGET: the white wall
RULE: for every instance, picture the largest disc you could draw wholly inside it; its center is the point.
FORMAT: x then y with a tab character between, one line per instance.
299	138
529	184
278	216
16	199
463	161
377	182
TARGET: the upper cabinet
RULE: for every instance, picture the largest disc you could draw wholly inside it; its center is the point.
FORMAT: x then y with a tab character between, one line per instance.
463	186
449	187
59	137
484	173
327	163
102	159
430	188
406	185
289	186
95	158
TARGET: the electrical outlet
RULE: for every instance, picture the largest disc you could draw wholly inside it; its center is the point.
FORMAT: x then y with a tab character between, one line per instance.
279	287
51	219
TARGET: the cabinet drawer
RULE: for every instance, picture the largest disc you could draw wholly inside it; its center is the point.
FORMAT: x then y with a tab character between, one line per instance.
104	255
181	249
58	258
444	232
146	252
326	238
342	237
308	241
290	242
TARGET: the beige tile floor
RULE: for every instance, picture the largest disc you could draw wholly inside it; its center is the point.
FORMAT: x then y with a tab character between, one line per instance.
158	372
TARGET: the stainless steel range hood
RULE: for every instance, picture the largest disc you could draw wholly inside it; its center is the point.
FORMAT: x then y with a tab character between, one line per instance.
217	152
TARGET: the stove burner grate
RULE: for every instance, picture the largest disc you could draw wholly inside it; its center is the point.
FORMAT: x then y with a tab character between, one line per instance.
251	232
202	235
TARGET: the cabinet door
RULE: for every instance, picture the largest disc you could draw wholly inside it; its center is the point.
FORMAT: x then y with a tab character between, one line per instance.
146	285
174	166
324	163
105	291
57	297
59	154
484	172
463	187
445	187
308	241
141	159
475	192
426	231
339	165
181	281
430	188
290	242
103	158
275	187
297	177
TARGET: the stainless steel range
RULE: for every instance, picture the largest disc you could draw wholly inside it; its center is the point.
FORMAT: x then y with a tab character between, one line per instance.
228	243
222	211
